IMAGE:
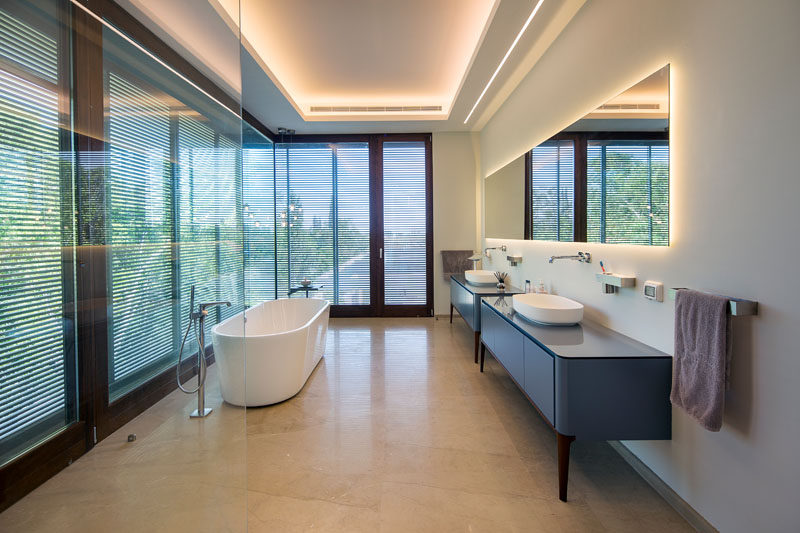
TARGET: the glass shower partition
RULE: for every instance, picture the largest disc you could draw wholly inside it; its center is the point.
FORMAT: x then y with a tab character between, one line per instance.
121	173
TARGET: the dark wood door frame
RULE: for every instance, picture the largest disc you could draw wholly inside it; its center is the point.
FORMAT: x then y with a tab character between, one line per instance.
376	239
427	308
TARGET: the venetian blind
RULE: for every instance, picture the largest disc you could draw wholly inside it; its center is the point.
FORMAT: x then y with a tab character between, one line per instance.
36	335
628	192
258	191
139	233
404	223
552	189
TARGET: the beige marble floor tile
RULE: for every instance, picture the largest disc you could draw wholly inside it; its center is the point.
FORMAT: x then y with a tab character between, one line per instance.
469	471
420	508
270	514
396	430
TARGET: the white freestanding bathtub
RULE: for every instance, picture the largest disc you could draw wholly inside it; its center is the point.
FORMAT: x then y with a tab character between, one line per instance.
268	358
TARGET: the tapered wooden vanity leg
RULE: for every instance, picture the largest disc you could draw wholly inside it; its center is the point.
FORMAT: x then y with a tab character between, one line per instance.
563	444
483	355
477	344
451	313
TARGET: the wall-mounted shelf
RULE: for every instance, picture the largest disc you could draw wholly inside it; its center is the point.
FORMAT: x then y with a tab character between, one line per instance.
736	306
613	282
617	280
514	259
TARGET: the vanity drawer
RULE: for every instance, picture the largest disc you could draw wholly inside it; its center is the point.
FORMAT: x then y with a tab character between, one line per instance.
539	379
508	348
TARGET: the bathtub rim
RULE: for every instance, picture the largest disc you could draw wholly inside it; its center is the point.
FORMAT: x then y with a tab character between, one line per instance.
305	325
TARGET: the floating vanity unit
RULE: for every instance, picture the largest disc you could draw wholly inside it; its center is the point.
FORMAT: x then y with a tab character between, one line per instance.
465	297
587	381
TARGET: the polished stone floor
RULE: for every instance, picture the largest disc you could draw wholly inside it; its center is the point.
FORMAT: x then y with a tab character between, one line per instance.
396	430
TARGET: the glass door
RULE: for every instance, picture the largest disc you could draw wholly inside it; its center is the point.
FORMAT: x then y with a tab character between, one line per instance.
353	218
404	271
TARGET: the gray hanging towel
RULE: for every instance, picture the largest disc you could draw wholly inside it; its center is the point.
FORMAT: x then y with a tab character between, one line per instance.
699	365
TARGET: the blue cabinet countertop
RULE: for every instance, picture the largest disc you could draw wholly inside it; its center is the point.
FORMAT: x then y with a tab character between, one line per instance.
584	340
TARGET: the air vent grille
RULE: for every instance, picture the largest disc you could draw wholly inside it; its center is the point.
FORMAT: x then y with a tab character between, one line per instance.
375	109
622	107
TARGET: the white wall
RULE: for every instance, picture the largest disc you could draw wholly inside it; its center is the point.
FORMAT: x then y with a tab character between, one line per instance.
734	189
455	199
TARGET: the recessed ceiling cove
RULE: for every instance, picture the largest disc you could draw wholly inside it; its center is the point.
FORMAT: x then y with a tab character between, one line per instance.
375	59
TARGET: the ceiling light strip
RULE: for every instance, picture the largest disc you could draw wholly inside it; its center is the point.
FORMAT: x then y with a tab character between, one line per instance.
153	56
505	57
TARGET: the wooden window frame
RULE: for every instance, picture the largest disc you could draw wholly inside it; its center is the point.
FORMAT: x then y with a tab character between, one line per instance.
376	306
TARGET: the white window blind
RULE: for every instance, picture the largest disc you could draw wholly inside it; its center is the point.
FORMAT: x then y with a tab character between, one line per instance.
258	191
209	235
139	233
322	219
404	223
37	340
552	190
352	223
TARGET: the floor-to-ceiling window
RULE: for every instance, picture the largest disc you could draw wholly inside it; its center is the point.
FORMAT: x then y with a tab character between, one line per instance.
405	224
258	197
172	206
38	383
353	217
322	219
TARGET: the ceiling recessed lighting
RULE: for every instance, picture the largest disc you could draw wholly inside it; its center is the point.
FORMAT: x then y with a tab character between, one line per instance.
502	62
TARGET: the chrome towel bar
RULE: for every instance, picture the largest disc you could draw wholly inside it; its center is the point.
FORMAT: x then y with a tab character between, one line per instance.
736	306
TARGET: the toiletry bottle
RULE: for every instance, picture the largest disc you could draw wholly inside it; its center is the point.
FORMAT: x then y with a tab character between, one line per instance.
527	286
540	287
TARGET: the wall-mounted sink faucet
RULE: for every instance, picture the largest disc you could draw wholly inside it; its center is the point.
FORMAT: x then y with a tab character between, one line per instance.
502	248
583	257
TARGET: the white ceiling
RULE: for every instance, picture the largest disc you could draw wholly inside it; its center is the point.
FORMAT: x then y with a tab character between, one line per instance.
360	52
367	53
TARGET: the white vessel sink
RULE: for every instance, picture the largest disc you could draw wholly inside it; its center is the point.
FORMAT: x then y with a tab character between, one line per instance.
548	309
481	277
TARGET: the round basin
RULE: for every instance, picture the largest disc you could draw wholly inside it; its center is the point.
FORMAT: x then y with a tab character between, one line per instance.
480	277
548	309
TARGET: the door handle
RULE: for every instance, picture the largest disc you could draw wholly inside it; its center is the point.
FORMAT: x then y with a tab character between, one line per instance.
380	252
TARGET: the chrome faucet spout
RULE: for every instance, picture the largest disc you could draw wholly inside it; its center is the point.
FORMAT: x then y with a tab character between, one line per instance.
502	248
583	257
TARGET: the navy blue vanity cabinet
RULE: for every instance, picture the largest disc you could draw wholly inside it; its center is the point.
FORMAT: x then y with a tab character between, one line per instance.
466	299
587	381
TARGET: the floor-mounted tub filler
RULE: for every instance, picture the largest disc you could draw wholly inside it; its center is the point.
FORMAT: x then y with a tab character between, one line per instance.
282	341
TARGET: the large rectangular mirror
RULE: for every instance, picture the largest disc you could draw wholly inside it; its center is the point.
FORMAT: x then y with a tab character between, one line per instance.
604	178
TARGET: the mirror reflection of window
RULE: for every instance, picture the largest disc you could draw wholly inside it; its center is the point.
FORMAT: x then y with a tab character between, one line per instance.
628	192
552	187
603	179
